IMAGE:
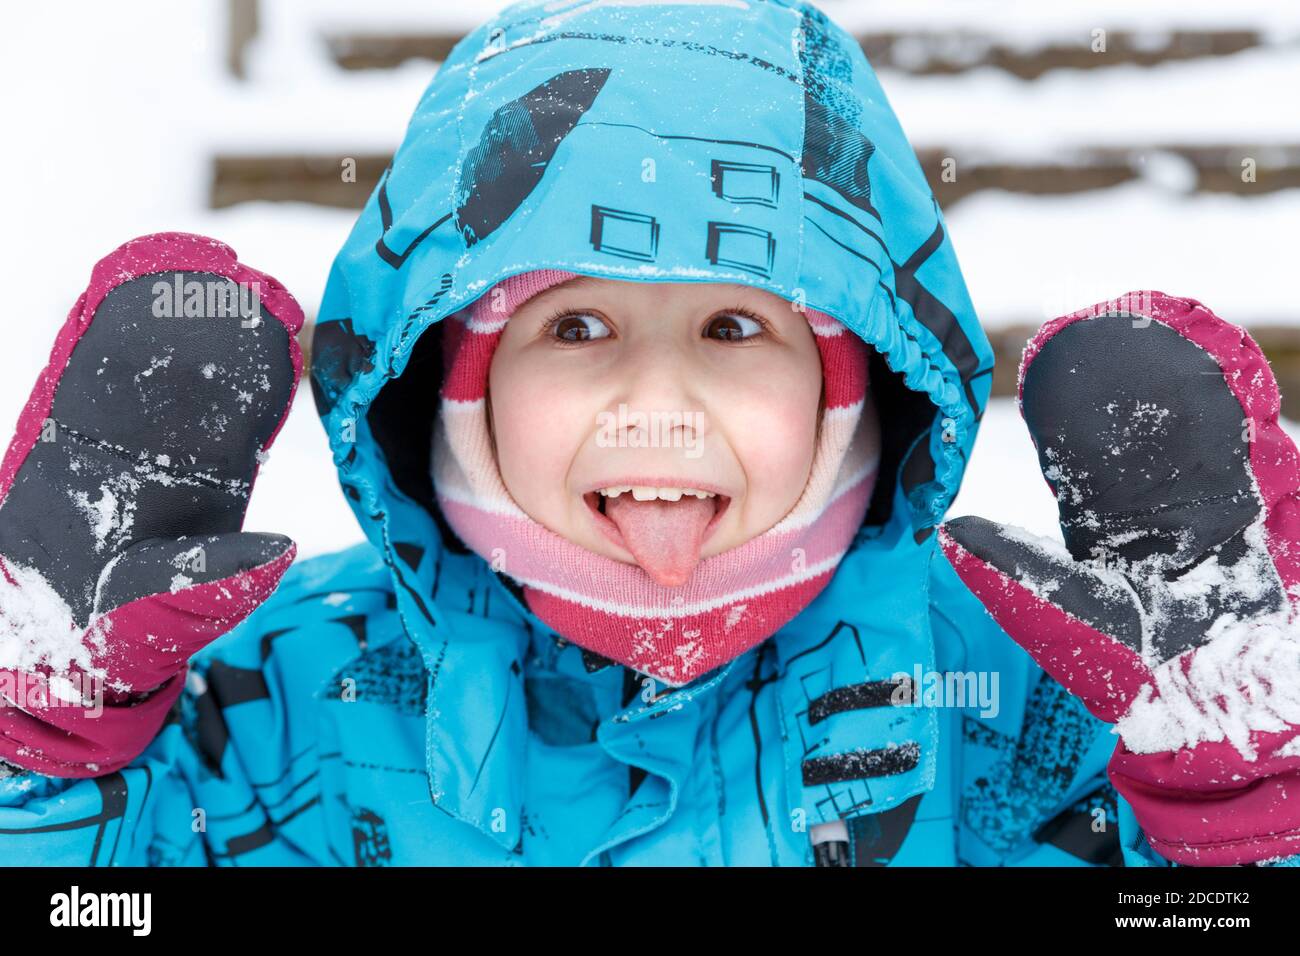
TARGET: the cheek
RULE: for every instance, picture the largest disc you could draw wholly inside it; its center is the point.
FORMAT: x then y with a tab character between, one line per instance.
772	428
537	428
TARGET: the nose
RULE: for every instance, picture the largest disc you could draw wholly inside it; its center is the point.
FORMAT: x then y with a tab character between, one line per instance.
662	391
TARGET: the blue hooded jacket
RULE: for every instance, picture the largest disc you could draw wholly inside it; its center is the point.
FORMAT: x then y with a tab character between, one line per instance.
397	703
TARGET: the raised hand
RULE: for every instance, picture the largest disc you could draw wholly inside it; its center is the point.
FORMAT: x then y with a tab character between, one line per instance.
1170	610
123	492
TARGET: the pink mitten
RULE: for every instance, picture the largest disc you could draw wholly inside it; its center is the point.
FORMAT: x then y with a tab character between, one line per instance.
1170	611
123	492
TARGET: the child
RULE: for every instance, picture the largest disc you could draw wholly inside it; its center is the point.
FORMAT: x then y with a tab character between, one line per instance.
652	574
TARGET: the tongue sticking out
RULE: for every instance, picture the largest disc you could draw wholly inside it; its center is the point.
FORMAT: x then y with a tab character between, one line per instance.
663	536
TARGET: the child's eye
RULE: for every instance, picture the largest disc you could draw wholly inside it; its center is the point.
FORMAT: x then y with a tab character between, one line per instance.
577	327
735	326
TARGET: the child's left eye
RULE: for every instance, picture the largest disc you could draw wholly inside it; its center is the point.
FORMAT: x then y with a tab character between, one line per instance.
734	326
571	327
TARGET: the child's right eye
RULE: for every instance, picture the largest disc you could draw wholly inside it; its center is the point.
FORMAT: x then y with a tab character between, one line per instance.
577	327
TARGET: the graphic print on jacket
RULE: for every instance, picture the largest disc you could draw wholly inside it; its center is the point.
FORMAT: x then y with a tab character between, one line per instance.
397	703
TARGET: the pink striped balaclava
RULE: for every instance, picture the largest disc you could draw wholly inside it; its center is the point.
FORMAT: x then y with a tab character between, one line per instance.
732	600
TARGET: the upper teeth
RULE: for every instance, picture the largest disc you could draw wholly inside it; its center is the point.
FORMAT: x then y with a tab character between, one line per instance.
648	493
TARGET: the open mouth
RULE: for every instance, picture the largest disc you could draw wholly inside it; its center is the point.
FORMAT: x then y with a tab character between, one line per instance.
663	527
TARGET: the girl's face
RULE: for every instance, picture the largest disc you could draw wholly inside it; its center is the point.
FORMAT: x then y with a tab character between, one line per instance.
655	423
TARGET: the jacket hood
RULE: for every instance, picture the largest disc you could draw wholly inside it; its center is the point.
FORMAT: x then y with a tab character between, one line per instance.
742	141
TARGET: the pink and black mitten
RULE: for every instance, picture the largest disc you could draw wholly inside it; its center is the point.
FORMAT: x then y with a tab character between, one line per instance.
123	492
1170	611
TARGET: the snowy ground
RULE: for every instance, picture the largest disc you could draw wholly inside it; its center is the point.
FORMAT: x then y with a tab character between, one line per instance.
111	138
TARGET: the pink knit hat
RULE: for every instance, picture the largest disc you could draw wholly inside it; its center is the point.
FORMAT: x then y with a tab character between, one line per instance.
732	600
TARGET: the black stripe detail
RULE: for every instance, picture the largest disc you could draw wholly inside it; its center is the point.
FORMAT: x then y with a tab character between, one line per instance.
595	662
247	842
411	553
265	642
843	215
515	147
755	686
394	259
1072	831
861	764
265	834
235	685
631	687
112	795
835	631
211	735
849	249
932	313
876	838
356	623
877	693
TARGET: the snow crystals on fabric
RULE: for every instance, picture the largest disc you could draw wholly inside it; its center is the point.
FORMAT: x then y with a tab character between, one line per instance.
1246	678
37	628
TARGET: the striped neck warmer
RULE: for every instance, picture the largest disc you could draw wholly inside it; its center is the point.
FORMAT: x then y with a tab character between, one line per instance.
733	600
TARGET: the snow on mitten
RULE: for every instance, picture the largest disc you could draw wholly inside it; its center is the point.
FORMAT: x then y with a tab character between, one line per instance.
123	492
1171	609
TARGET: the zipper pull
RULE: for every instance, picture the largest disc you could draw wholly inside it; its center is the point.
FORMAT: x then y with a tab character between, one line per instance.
830	843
